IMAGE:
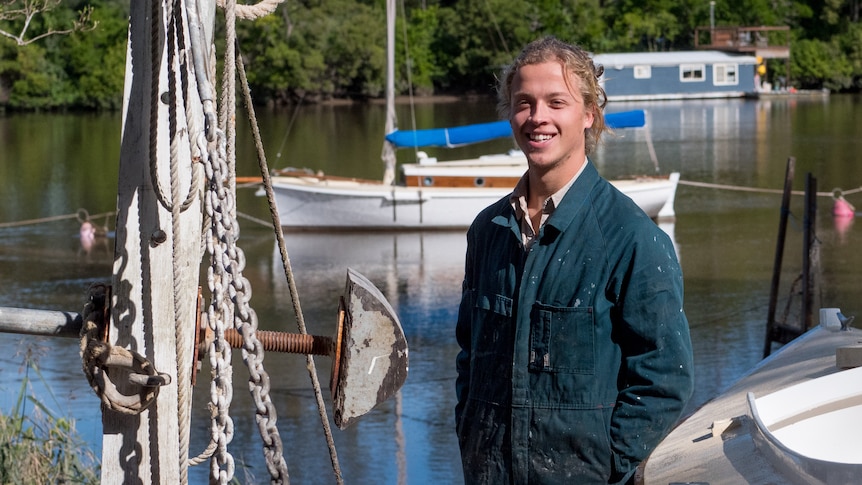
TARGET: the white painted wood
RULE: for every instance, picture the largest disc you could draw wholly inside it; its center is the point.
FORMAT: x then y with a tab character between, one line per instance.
144	448
819	419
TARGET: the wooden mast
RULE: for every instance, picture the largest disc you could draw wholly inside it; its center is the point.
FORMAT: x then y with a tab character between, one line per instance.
388	154
144	448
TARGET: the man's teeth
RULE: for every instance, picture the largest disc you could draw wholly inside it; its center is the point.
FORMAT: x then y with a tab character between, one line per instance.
540	137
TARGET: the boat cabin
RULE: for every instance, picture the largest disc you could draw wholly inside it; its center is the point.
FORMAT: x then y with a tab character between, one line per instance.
644	76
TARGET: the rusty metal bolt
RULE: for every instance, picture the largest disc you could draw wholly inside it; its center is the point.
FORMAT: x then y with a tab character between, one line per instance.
293	343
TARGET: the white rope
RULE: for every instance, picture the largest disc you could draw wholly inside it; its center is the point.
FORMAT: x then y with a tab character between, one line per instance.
251	12
182	317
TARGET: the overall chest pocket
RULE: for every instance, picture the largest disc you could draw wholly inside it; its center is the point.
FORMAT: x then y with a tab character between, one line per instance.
562	339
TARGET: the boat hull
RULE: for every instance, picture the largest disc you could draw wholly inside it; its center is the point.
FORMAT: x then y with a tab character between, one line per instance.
723	443
315	202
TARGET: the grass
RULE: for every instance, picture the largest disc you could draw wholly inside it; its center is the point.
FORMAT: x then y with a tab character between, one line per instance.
39	447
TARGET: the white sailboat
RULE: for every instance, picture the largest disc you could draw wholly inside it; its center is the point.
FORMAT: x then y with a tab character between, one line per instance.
440	195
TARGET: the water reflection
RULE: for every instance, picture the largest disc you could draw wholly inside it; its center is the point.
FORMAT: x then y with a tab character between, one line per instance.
689	136
409	437
843	224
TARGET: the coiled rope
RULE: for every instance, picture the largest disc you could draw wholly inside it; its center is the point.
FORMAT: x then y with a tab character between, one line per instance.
251	12
98	357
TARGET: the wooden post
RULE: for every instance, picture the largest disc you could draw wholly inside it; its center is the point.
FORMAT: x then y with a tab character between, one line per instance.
810	257
779	255
143	448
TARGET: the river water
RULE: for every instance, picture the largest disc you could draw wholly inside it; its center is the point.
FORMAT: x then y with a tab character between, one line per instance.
55	164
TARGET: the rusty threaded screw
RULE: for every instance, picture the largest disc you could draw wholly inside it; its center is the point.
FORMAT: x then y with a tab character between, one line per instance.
293	343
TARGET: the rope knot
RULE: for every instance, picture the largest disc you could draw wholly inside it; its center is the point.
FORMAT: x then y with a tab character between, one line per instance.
138	380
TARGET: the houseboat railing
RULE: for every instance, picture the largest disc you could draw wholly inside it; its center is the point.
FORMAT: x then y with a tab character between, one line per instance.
766	42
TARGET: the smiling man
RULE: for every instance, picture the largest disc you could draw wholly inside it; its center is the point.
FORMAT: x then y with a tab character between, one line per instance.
575	354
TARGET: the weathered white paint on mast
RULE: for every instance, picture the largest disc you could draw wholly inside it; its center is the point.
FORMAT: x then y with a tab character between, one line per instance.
144	449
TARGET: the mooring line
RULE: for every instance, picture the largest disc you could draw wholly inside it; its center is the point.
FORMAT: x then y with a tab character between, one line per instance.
741	188
30	222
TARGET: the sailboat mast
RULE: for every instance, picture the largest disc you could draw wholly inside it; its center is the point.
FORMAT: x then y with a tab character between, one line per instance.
388	154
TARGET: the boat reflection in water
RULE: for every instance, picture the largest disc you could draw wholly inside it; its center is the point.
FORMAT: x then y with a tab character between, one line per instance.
413	268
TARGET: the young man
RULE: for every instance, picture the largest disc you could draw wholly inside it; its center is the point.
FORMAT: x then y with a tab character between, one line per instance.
575	354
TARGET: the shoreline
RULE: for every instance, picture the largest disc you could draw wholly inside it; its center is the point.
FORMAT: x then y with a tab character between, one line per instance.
433	99
786	94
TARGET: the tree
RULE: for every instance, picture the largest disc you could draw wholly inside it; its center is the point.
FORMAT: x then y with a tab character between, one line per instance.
332	49
817	64
652	26
478	37
423	68
33	81
96	59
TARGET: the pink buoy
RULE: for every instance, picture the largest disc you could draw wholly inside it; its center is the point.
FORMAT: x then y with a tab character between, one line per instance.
88	235
842	208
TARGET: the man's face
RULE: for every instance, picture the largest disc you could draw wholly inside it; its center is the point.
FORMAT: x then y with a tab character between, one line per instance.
548	116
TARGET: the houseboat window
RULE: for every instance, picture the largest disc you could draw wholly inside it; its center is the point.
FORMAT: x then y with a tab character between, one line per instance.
725	74
689	73
643	72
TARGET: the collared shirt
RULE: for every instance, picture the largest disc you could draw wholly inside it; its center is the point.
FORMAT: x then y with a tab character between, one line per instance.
518	199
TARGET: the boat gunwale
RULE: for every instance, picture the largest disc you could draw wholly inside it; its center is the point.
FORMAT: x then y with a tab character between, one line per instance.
803	469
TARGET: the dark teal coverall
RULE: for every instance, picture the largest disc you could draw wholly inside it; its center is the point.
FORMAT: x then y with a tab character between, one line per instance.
575	355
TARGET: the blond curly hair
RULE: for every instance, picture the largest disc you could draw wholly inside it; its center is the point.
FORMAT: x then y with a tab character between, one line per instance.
576	62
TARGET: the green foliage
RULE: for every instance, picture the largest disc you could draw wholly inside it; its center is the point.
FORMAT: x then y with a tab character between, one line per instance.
81	69
316	50
850	44
817	64
34	81
478	37
423	67
38	447
97	59
330	49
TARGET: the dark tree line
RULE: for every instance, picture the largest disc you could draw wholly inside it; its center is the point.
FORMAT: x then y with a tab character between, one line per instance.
321	49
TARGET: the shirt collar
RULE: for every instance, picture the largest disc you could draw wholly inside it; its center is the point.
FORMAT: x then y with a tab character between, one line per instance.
518	199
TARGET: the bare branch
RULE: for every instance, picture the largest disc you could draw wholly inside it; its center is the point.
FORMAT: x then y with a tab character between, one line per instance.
24	11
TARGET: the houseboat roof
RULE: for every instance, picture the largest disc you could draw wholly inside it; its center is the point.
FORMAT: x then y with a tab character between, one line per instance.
628	59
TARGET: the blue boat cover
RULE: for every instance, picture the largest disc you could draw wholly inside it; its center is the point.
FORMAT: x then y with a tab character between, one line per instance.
468	134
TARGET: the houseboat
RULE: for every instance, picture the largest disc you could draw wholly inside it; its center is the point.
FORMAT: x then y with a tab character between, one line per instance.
646	76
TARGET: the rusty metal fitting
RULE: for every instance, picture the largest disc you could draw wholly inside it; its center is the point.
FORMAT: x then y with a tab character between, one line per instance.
292	343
